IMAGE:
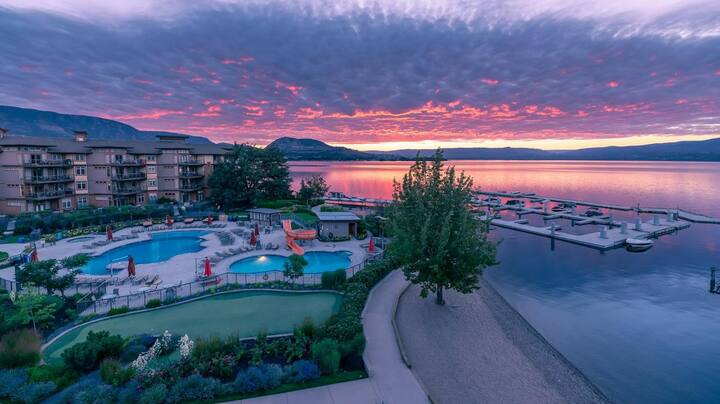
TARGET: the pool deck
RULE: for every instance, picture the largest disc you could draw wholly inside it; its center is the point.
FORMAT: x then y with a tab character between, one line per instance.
181	268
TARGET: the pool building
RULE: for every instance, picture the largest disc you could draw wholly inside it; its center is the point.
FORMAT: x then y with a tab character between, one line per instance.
337	224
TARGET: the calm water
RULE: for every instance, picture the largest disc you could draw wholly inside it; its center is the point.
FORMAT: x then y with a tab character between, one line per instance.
642	326
318	262
161	247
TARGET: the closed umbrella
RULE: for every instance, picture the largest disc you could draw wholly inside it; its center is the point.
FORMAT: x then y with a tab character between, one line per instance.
253	239
108	231
131	266
257	229
34	256
208	268
371	246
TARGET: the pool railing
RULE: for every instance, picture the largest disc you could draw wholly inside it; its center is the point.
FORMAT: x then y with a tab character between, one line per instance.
185	290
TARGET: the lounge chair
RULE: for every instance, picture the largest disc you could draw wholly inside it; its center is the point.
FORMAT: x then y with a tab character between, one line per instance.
153	280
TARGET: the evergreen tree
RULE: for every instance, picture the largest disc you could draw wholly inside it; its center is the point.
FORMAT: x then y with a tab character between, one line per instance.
437	240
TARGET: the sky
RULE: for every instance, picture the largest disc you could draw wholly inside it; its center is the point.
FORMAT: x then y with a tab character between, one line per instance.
375	74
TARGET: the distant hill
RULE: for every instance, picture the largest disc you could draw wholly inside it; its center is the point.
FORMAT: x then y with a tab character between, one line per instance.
32	122
703	150
310	149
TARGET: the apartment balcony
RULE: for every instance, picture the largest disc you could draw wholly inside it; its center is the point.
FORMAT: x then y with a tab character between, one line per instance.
191	187
128	191
128	163
43	196
191	175
191	163
48	179
129	177
48	163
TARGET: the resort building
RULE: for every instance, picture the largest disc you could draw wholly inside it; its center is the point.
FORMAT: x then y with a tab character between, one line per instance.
337	224
42	173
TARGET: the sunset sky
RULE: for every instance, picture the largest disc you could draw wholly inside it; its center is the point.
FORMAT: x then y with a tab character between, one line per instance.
377	74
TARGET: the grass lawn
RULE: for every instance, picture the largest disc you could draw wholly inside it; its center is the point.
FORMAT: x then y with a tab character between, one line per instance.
307	218
322	381
245	313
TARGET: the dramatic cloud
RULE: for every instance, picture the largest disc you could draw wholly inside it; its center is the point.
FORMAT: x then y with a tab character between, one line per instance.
399	71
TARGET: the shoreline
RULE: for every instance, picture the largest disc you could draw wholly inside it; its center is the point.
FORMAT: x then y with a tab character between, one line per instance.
478	348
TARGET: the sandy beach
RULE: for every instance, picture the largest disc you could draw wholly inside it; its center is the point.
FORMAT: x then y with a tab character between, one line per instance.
478	349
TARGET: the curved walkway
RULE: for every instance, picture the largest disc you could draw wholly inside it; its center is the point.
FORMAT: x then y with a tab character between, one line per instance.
394	382
478	349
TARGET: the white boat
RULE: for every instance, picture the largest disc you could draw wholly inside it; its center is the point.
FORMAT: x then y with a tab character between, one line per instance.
638	244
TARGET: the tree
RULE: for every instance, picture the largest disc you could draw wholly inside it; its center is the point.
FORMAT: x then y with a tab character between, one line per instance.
313	187
46	273
294	267
438	241
248	174
32	308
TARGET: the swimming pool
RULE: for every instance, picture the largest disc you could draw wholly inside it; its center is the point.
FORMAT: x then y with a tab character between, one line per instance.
244	313
160	247
318	261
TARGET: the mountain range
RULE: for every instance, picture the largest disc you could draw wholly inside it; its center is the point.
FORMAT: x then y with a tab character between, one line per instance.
31	122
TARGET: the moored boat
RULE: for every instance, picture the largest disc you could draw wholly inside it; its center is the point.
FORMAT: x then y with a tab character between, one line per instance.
638	244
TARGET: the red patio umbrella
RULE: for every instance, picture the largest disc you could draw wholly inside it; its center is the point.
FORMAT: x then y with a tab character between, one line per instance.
257	229
108	231
253	239
34	256
208	268
131	266
371	246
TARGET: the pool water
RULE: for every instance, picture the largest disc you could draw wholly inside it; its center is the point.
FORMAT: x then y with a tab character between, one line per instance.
160	247
318	261
244	313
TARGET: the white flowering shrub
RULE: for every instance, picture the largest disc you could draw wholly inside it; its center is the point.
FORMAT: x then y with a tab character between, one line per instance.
185	345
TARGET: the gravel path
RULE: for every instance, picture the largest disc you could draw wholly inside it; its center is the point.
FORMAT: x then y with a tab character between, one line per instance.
478	349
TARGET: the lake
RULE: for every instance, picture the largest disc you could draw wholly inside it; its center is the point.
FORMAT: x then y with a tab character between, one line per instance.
641	326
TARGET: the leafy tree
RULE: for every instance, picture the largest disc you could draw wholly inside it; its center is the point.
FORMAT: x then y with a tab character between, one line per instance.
295	267
32	308
46	273
311	188
249	174
438	241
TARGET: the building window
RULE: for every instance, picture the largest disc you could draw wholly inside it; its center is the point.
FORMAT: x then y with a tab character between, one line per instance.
152	183
82	201
151	157
151	169
141	198
66	204
80	170
152	198
79	157
81	185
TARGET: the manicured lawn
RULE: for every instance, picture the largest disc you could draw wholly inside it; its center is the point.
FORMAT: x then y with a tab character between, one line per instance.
306	218
245	313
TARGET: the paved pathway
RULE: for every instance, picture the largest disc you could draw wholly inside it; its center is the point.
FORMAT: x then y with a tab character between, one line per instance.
394	382
355	392
478	349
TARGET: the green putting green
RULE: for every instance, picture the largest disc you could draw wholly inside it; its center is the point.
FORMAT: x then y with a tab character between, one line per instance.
243	312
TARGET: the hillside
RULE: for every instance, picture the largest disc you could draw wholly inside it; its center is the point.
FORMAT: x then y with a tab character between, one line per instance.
32	122
310	149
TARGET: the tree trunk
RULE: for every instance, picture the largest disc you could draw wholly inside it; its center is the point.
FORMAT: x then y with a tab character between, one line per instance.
439	296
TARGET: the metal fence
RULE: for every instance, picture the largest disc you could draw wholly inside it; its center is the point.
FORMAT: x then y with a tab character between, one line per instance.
200	286
7	284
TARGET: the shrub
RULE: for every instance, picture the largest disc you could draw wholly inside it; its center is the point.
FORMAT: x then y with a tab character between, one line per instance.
206	349
59	374
308	328
19	348
118	310
131	352
302	371
93	393
351	352
327	355
154	395
34	392
87	355
153	303
194	387
333	279
11	380
129	393
265	377
112	372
